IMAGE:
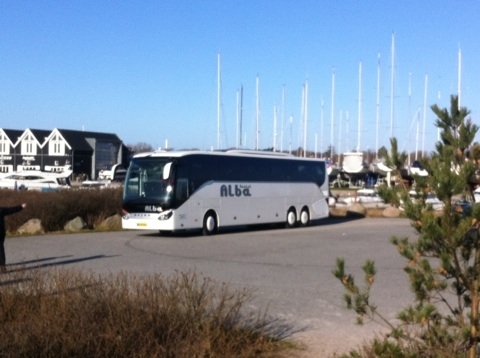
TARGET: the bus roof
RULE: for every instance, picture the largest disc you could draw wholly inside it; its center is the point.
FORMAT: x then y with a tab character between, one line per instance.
233	152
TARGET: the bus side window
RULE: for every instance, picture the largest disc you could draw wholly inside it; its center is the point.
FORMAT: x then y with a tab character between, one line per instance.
320	174
181	190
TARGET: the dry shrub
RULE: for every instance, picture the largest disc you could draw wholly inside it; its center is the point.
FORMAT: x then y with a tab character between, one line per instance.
56	208
68	313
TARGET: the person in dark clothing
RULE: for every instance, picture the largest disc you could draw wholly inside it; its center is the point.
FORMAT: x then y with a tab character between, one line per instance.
4	212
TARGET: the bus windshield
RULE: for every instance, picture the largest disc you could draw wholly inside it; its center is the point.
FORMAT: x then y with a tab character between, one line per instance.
151	180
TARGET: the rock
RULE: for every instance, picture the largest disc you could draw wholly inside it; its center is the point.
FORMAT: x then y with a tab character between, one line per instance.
32	226
338	211
111	223
356	209
391	212
376	212
74	225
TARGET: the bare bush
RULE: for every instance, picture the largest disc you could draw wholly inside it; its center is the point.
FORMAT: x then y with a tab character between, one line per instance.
55	209
67	313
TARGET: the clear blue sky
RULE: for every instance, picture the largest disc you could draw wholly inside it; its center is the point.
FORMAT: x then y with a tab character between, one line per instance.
147	70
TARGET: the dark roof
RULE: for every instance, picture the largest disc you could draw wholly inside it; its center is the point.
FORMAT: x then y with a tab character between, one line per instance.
13	134
109	137
75	141
40	134
78	139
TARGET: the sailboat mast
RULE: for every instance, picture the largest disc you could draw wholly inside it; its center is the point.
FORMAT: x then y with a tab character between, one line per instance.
283	119
241	115
378	108
340	132
290	142
359	105
274	146
332	114
257	115
238	120
410	116
416	135
305	120
392	78
218	101
424	115
322	123
347	143
301	125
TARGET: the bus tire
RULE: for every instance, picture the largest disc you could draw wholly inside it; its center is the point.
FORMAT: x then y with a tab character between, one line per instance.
210	225
291	218
304	217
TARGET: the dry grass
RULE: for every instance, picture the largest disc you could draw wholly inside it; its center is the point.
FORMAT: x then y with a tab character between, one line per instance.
56	208
73	314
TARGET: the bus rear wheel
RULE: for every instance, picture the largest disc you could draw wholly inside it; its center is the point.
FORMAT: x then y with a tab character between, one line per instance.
210	225
305	217
291	218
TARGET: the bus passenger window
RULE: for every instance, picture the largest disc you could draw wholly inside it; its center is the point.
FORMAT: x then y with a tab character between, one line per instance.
181	190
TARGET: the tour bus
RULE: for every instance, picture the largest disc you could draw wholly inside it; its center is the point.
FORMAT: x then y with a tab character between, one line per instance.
173	191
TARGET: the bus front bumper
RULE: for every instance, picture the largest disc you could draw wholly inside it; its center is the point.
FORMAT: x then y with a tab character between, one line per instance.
148	221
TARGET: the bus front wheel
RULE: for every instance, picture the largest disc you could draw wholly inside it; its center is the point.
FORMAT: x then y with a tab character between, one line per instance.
305	217
210	225
291	218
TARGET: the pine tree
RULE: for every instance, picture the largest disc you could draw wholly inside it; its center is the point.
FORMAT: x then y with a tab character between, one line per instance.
394	160
443	262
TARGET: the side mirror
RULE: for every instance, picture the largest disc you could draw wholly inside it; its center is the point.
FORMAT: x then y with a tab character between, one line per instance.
166	171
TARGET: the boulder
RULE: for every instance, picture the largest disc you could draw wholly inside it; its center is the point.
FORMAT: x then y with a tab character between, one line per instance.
338	211
356	209
32	226
391	212
74	225
111	223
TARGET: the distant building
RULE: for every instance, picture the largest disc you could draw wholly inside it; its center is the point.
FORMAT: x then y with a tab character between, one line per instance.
87	153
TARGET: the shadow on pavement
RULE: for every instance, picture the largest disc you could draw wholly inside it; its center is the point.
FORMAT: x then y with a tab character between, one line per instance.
51	262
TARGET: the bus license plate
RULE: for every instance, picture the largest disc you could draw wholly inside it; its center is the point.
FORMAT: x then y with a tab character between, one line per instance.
142	224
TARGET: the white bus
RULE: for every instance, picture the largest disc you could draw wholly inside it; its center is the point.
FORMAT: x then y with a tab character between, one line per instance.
187	190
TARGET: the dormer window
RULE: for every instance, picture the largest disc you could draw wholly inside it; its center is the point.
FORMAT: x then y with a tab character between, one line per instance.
4	144
29	145
56	146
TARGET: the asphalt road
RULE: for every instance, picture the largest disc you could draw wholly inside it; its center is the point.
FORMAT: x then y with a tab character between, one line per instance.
289	269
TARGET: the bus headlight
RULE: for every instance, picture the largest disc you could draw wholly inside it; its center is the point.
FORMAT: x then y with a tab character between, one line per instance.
166	215
126	215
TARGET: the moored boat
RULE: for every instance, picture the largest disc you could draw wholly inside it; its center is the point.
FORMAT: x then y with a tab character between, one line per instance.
364	196
353	165
36	180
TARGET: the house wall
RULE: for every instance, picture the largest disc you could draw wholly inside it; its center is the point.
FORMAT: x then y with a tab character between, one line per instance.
82	165
6	153
29	152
